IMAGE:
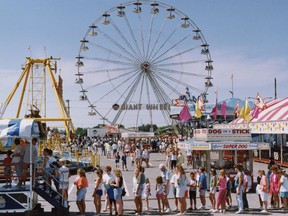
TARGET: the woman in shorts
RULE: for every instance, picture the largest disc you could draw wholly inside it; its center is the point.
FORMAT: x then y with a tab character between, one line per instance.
81	184
98	192
264	190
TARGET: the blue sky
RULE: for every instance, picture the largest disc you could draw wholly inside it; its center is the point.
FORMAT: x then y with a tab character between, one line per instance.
247	38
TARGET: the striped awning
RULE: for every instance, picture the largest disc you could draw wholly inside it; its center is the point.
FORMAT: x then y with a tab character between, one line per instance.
24	128
277	111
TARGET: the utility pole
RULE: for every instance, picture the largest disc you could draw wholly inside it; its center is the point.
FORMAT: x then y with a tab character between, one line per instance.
68	106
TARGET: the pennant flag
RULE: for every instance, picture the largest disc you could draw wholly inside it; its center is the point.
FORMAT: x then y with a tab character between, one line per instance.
256	112
241	113
259	102
247	111
184	114
236	108
223	109
214	110
198	113
201	103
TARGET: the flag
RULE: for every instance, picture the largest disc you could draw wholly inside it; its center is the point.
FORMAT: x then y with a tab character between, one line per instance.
241	113
247	111
214	110
259	102
255	112
201	103
223	109
198	113
236	108
184	114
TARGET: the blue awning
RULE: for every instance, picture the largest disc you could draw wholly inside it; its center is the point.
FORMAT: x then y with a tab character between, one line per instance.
24	128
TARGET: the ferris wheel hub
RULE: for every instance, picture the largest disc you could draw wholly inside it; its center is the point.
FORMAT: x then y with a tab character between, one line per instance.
146	65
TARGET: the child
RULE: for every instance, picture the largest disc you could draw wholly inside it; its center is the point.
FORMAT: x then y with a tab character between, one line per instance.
117	159
132	160
192	191
124	161
160	193
147	192
63	174
7	169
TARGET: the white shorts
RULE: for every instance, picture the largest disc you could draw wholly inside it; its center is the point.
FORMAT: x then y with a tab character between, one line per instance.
212	191
264	196
258	190
63	185
180	192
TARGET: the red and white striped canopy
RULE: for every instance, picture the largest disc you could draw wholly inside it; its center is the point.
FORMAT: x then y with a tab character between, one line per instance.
277	111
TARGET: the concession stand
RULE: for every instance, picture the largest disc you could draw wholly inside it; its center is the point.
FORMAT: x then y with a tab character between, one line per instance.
223	148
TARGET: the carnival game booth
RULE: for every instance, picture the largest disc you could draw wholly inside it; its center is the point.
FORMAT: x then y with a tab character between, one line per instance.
14	198
223	148
270	125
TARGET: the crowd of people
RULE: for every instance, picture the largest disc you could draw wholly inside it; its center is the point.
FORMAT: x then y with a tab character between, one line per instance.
183	186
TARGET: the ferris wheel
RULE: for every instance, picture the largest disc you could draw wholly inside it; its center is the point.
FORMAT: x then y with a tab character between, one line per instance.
137	57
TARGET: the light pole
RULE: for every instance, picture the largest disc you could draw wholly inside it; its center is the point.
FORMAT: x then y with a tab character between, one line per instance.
68	106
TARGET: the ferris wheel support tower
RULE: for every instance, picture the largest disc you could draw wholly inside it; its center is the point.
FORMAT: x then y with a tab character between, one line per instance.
35	79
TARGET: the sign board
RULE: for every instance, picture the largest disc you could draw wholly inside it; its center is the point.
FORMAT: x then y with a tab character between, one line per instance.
200	146
263	146
222	135
183	145
138	135
233	146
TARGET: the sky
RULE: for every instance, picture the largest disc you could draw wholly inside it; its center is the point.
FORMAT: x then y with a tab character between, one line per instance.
246	38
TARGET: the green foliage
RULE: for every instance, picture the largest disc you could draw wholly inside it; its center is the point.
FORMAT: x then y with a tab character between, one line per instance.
146	128
81	131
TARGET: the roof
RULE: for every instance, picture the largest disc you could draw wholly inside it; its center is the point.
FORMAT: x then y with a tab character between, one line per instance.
277	111
24	128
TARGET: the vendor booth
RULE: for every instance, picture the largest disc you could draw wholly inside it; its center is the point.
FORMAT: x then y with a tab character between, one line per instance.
223	148
271	126
12	197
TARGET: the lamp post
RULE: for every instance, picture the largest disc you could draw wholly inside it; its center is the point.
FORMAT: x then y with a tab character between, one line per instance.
68	106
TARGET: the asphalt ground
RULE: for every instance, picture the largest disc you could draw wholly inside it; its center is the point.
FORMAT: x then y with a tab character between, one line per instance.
152	172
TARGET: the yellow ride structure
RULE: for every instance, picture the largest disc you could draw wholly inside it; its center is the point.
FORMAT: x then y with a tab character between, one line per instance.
34	78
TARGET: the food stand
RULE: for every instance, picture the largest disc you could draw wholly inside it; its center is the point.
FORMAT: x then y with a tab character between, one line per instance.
223	148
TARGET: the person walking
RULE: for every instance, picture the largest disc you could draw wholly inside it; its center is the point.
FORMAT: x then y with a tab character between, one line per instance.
117	189
166	179
139	179
98	192
160	188
192	191
108	177
213	182
221	198
124	161
283	188
81	184
202	187
17	160
264	190
64	175
239	186
274	186
173	183
181	188
147	192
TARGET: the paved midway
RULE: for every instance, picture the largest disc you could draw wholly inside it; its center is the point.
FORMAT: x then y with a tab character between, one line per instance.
152	173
